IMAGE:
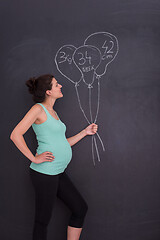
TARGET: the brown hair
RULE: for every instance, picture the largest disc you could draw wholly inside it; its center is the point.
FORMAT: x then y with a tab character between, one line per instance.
38	86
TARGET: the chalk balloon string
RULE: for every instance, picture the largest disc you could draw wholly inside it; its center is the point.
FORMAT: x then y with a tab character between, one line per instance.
103	47
93	137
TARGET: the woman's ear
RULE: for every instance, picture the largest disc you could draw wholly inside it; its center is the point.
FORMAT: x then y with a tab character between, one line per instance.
48	92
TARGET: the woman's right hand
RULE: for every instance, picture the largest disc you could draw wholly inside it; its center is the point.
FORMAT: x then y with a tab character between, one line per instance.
44	157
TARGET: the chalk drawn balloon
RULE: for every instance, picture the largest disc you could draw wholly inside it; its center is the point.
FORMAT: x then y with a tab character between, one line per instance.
65	64
89	62
107	43
87	59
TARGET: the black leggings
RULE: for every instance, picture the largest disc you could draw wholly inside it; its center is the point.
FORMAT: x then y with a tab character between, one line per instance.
47	187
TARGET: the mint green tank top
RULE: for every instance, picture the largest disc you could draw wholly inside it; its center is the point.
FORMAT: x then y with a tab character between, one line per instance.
51	137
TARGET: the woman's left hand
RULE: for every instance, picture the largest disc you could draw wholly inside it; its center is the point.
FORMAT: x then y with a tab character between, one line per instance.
91	129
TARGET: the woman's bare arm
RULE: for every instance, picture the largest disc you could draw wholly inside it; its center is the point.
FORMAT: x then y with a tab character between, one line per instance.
22	127
76	138
90	130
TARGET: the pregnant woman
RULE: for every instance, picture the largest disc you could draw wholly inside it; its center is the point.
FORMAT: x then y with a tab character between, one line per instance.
47	168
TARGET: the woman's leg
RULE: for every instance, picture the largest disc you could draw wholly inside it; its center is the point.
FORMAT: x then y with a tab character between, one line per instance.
45	187
73	233
69	194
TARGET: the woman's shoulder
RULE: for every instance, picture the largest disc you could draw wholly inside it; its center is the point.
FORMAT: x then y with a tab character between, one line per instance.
36	111
37	107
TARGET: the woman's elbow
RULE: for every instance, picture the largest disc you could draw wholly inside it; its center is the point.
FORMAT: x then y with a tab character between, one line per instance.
13	135
69	142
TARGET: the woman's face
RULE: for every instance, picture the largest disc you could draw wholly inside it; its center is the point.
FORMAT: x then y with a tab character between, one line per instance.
56	89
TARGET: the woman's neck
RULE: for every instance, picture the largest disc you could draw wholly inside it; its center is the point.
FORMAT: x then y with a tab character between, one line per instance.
49	104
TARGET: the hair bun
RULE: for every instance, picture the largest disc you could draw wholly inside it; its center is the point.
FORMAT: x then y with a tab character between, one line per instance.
33	79
37	86
31	84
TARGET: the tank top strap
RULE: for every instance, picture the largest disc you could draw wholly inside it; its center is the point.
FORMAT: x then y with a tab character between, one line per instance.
57	115
44	108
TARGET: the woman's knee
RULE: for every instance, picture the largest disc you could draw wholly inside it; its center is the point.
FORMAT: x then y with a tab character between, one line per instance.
82	209
85	207
78	215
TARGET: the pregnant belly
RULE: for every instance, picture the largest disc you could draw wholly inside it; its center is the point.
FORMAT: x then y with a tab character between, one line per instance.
62	151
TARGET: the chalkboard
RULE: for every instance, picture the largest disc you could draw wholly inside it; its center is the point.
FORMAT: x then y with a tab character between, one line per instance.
106	56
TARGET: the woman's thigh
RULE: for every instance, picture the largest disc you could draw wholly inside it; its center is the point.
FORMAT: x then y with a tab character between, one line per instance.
44	183
45	187
70	195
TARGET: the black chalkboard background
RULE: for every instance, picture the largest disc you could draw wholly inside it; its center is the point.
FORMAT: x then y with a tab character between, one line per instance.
123	189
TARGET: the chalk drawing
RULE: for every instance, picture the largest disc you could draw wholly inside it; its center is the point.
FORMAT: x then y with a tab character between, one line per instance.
88	63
